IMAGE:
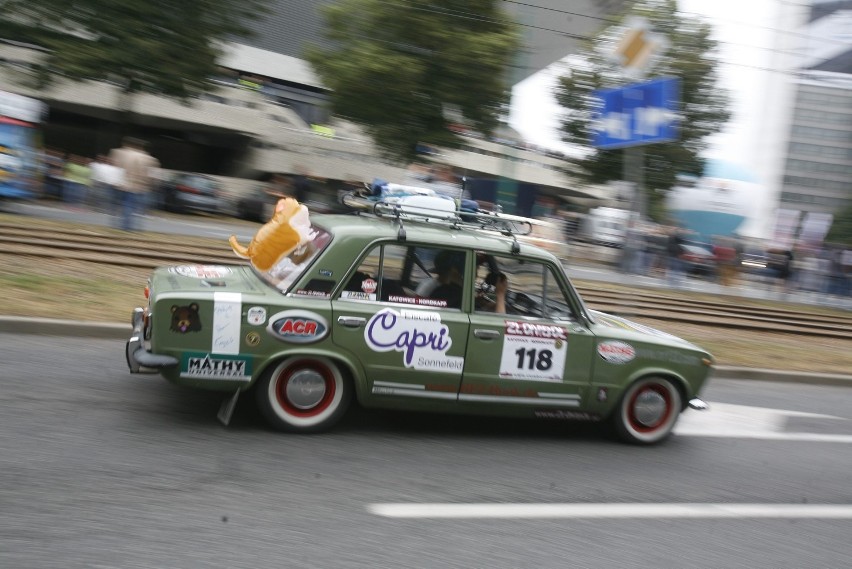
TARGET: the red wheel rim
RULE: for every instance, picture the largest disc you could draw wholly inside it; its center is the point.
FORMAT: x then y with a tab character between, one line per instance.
645	391
286	376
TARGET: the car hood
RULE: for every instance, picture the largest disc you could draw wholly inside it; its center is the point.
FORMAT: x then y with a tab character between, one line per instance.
617	327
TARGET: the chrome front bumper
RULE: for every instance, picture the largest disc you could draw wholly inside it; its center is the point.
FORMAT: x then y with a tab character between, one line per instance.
139	359
698	404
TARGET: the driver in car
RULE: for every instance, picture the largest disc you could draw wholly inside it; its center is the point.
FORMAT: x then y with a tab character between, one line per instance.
450	268
484	302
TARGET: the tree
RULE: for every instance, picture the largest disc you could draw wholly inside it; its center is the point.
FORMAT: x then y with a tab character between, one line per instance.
689	56
407	71
841	227
166	47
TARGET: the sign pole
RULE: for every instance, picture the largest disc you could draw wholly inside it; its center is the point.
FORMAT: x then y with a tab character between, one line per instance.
634	172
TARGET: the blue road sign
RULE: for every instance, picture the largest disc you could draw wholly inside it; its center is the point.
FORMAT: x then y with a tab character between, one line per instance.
642	113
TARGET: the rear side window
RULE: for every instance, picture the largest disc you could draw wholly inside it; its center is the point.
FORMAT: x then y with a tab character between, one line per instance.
409	275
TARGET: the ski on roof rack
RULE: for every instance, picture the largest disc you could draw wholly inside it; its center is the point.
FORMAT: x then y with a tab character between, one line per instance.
424	205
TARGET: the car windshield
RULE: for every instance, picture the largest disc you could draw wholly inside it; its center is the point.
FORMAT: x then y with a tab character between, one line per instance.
285	272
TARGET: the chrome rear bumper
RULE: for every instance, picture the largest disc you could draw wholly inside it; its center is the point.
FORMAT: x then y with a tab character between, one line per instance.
139	359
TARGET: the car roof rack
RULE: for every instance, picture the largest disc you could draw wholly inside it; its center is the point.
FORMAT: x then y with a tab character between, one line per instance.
438	210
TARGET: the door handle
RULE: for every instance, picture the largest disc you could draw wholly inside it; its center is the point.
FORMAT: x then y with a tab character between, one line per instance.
351	321
486	334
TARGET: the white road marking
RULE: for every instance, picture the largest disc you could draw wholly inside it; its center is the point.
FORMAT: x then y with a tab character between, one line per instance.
741	421
704	511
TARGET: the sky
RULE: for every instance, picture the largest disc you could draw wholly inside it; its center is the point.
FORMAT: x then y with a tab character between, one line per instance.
744	30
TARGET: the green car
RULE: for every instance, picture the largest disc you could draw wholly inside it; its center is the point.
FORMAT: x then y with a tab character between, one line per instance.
401	309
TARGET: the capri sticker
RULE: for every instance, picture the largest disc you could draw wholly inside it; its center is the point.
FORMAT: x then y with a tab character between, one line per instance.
298	326
421	337
616	352
533	352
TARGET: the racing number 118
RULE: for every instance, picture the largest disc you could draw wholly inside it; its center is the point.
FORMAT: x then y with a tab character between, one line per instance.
538	359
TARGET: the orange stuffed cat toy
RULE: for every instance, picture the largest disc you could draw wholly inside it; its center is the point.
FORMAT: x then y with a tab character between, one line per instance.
289	229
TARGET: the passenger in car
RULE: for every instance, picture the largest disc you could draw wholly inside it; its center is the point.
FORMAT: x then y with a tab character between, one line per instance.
450	268
449	265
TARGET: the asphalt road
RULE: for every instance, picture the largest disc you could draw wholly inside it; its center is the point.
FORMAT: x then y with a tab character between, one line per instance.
103	469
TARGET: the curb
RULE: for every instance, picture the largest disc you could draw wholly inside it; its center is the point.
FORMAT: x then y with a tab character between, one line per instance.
115	331
53	327
780	376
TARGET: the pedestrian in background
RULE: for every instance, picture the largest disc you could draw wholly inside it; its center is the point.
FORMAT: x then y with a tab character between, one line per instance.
780	265
78	178
55	174
107	178
301	185
674	267
726	258
139	169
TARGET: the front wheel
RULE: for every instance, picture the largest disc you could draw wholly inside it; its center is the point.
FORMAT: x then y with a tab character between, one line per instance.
648	411
303	394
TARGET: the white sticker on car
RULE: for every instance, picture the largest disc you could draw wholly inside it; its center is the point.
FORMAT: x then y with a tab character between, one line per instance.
421	337
357	295
201	271
209	366
616	352
256	316
534	352
227	313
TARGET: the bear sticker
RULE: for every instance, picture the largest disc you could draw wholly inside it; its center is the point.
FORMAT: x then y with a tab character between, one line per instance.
185	319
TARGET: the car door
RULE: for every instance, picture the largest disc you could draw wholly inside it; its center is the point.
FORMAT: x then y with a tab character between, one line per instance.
409	346
537	354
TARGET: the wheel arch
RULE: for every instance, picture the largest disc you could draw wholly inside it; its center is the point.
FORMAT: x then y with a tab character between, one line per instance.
677	380
647	409
351	370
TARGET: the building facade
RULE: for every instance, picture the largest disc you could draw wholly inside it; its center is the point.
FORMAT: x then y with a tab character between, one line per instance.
817	165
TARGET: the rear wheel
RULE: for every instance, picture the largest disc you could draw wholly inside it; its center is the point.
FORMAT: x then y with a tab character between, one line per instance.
303	394
648	411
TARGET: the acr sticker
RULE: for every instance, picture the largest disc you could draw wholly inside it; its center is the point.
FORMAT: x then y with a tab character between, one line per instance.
369	286
201	271
256	316
616	352
298	326
210	366
534	352
421	337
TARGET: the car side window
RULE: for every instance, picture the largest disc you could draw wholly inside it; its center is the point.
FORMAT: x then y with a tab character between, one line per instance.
532	288
557	304
401	274
364	282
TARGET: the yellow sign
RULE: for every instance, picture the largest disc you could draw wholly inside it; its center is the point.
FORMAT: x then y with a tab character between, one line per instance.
636	47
